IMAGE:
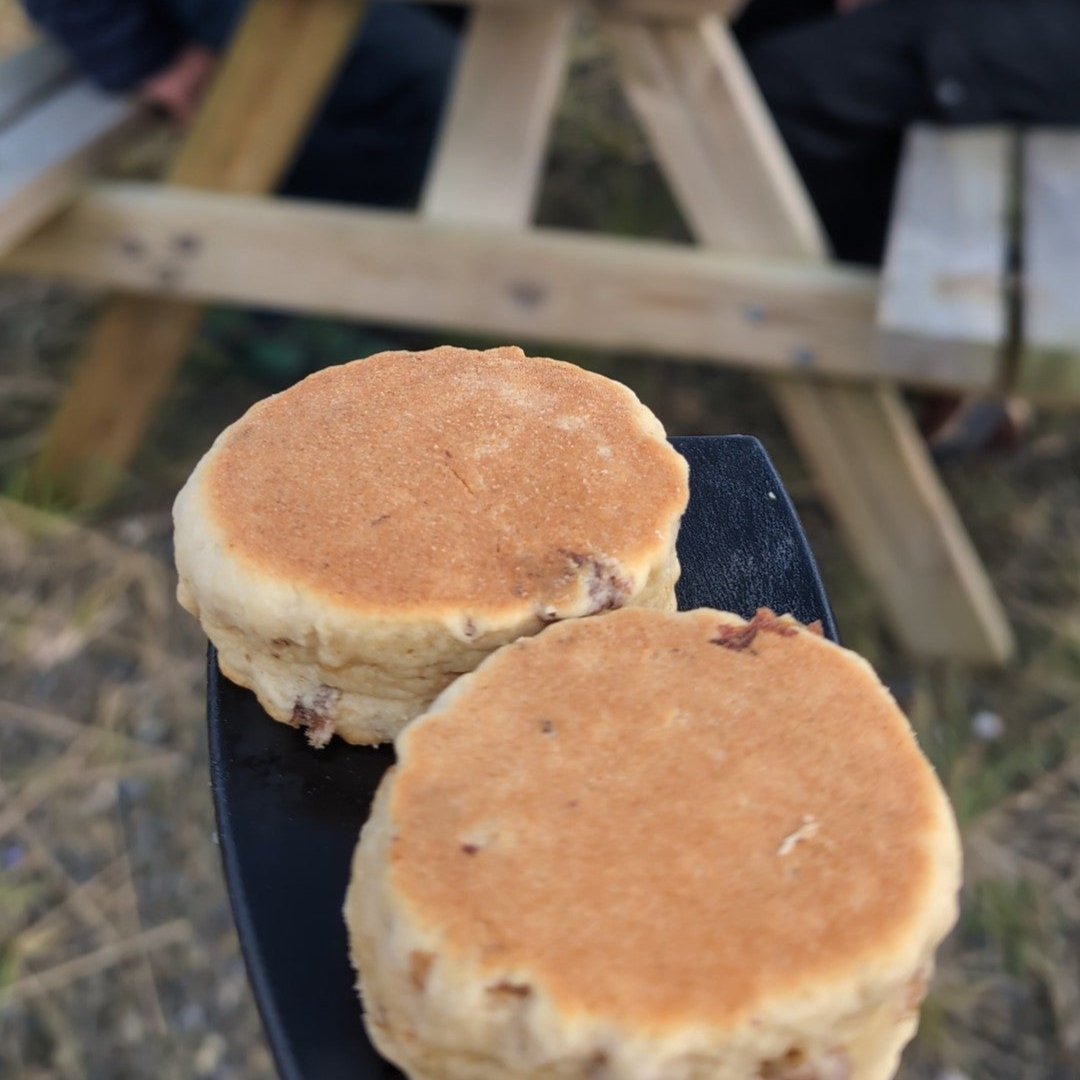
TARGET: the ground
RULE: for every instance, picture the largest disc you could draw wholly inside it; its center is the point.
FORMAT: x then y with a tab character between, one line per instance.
117	954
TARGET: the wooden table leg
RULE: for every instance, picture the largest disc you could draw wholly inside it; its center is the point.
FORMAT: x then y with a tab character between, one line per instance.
274	77
490	156
714	139
1048	365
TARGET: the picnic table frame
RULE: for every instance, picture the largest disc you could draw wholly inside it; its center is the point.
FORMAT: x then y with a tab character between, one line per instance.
758	290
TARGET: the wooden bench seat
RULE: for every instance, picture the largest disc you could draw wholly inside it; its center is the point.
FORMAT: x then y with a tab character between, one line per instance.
54	128
982	271
1048	365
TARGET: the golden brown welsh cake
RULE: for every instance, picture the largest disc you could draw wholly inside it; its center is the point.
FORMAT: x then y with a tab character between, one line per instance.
652	846
355	543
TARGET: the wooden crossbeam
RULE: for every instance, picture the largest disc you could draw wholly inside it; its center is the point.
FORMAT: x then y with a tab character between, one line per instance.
1049	364
924	567
276	73
945	305
670	299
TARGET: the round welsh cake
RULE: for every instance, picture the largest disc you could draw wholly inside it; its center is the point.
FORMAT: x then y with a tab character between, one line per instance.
355	543
652	846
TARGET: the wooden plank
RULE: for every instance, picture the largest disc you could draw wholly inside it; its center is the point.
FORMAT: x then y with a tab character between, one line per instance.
28	75
922	564
672	299
273	79
910	539
1049	362
944	301
709	129
47	153
488	162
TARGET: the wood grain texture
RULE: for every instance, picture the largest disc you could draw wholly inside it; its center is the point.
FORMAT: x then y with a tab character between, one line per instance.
490	154
1049	364
921	562
944	314
909	539
710	130
672	299
272	81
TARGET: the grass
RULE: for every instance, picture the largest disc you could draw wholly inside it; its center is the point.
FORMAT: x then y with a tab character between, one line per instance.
1005	915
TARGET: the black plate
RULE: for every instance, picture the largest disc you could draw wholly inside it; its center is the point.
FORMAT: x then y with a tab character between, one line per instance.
288	816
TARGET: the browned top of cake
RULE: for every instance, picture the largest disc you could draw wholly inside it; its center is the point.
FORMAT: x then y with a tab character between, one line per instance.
446	478
668	818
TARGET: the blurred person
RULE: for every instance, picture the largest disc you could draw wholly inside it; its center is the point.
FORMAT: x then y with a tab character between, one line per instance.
372	138
369	143
845	78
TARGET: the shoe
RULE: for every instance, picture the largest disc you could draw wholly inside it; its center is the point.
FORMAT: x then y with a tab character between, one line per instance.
976	425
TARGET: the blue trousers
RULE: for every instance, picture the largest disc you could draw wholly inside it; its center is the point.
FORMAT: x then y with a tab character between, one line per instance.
372	141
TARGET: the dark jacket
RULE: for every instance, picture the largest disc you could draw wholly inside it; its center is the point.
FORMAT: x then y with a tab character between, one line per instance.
370	142
119	43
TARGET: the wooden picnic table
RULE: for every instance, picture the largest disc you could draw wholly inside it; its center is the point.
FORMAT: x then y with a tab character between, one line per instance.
758	289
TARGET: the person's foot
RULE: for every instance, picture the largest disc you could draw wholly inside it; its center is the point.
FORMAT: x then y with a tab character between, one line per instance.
957	427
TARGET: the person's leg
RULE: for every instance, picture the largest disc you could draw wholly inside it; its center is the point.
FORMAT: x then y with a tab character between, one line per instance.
372	142
1012	61
762	17
842	90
